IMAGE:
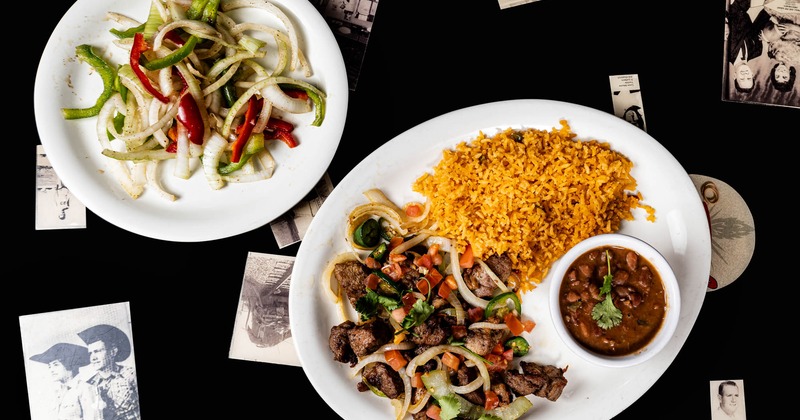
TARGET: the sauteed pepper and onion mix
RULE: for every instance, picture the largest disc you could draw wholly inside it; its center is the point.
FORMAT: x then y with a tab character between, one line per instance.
196	86
439	333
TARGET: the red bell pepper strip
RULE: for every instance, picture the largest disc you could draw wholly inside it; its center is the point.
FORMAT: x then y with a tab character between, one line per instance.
286	137
139	46
189	116
296	93
174	37
278	124
246	128
283	131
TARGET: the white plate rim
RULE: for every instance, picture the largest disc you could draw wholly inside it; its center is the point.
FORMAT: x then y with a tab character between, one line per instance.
681	233
200	214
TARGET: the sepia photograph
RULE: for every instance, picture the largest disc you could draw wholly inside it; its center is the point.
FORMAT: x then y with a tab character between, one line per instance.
351	22
626	96
261	329
56	208
291	226
727	400
79	364
762	52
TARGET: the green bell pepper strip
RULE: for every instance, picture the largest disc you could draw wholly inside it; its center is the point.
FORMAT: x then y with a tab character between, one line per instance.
195	10
119	118
205	10
254	145
128	33
86	54
319	102
175	56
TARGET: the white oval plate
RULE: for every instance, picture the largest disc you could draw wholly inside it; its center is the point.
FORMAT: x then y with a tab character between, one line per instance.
200	213
680	233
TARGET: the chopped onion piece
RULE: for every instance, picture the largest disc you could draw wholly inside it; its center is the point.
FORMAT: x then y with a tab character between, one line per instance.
466	389
488	325
428	354
213	151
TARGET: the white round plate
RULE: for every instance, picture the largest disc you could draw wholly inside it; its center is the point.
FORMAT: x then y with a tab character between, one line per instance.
680	233
200	213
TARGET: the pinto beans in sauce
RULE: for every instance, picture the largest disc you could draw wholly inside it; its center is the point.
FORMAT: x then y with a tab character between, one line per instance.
637	291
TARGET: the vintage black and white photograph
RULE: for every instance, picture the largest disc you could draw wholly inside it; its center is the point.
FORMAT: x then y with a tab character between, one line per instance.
56	207
505	4
291	226
626	97
762	52
351	22
727	400
79	364
261	330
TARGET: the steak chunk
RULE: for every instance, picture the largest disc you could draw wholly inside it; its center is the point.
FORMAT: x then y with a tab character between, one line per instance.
478	280
434	331
339	343
368	337
482	340
351	275
544	381
380	376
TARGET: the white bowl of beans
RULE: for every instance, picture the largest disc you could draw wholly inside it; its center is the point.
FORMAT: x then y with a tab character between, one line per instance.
619	319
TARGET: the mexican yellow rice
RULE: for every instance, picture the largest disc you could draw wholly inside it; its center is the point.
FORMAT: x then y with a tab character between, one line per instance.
531	193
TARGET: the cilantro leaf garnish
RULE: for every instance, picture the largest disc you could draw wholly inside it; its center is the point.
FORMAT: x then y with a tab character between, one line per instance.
420	311
605	313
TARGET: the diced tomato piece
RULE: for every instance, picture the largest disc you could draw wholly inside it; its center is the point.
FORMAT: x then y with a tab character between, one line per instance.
395	359
451	282
528	325
399	313
413	210
498	348
467	259
451	360
513	323
497	363
394	242
372	263
444	290
492	400
416	380
433	412
508	354
424	261
372	281
424	286
493	358
408	301
434	276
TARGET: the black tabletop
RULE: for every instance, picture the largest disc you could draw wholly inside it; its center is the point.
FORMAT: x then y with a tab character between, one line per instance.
424	59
